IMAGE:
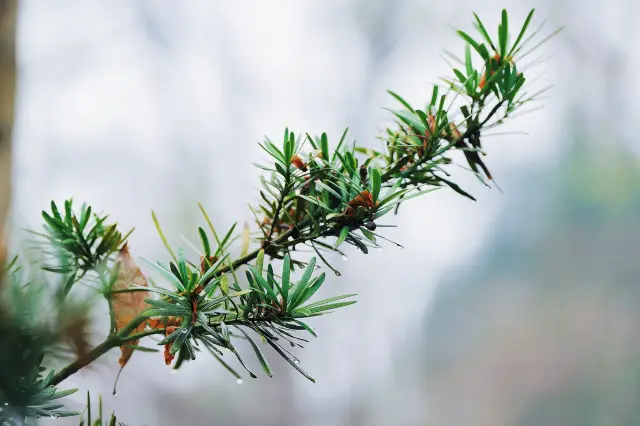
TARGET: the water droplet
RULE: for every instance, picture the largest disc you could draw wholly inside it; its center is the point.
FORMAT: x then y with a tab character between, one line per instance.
6	403
344	258
115	394
54	416
379	249
239	381
174	372
338	273
296	361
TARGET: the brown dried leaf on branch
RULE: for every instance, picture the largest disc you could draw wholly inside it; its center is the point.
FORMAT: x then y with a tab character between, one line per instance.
168	356
169	325
363	199
127	306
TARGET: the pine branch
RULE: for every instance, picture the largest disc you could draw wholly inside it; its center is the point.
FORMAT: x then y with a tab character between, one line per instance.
314	194
333	196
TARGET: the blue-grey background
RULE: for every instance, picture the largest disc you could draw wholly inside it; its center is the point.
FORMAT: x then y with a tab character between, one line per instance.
520	309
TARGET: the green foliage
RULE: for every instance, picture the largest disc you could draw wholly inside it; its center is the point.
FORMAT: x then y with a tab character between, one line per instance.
82	242
316	192
87	420
270	308
32	396
26	389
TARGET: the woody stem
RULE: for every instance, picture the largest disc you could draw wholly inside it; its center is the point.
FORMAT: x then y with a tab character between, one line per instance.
119	339
94	354
109	343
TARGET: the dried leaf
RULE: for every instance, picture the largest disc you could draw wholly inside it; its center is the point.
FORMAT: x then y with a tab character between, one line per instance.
483	81
455	133
127	306
431	128
206	262
363	199
158	323
298	163
168	356
170	325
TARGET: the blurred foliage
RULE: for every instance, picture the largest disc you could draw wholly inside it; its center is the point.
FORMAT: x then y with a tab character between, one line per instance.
550	323
87	420
81	243
27	334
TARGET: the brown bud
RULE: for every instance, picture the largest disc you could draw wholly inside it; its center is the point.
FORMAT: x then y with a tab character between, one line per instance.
364	199
431	125
168	356
298	163
455	133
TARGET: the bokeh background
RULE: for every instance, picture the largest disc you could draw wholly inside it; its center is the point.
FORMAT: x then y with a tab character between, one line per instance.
520	309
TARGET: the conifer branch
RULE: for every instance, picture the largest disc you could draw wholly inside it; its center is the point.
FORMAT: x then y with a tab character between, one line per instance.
313	195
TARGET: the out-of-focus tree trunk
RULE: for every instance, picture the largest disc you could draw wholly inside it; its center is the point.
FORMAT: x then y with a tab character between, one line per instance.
8	15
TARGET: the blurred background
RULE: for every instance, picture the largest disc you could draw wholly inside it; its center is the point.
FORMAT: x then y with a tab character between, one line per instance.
520	309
